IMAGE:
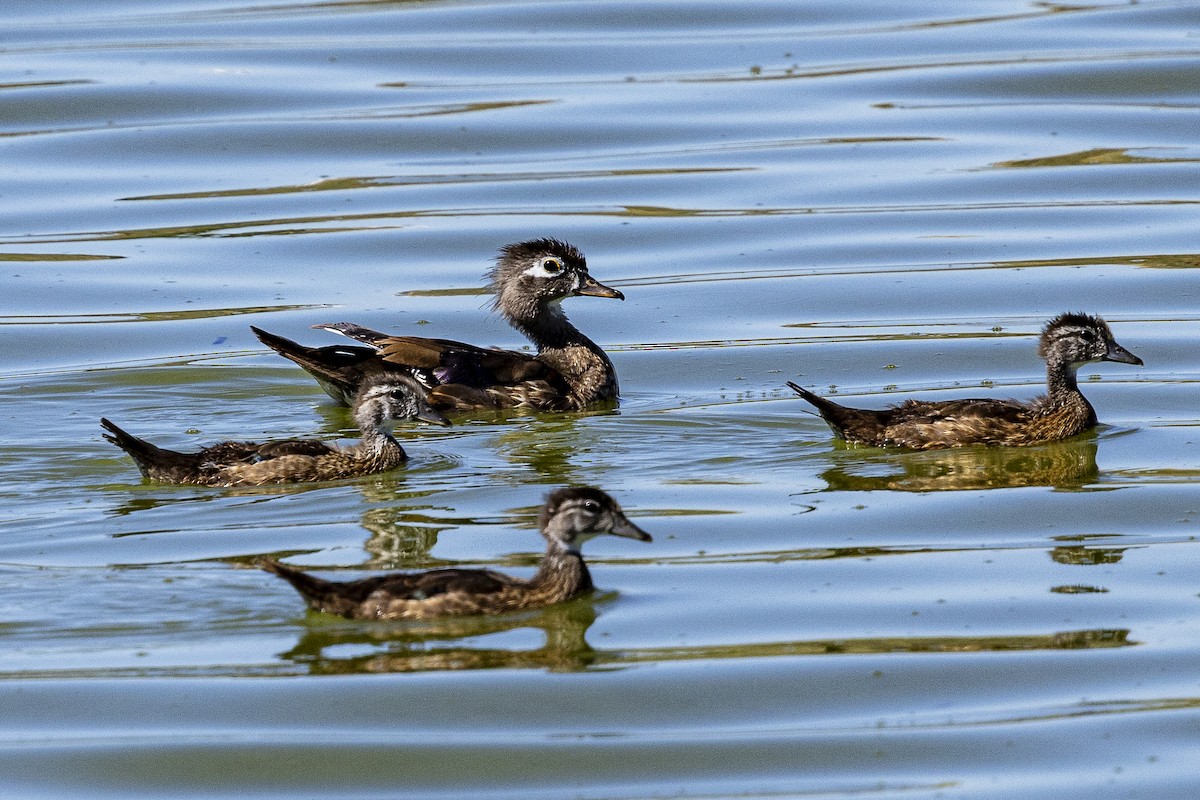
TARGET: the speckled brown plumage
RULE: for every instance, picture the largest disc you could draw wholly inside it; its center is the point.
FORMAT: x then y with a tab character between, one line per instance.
378	406
569	517
529	280
1067	342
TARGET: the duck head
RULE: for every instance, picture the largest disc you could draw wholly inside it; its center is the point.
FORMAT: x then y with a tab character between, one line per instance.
574	514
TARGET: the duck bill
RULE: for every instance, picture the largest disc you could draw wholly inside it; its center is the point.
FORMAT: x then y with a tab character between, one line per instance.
428	415
1121	355
624	527
590	287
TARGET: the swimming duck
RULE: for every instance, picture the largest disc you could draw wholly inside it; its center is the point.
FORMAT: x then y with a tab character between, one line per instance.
530	279
570	516
1067	342
379	405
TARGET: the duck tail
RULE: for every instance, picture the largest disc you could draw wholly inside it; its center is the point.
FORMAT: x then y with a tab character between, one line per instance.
806	394
153	461
293	351
827	408
338	368
838	417
320	594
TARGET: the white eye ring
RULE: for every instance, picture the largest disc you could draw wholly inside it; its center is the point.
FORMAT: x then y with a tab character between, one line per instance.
548	267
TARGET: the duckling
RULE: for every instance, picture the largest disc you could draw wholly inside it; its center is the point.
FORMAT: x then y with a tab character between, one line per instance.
570	516
530	279
1067	342
379	405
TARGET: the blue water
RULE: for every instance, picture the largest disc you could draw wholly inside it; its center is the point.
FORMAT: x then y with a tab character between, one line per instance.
876	200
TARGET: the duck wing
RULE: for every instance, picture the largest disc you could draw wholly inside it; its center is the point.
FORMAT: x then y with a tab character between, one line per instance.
370	597
254	452
424	585
1005	411
294	447
460	375
924	425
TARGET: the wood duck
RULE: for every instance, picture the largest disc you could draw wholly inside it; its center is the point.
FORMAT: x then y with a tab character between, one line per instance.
530	279
570	516
378	407
1067	342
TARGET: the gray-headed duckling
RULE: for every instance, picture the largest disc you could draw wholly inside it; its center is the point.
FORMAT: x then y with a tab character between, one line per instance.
1067	342
569	517
377	408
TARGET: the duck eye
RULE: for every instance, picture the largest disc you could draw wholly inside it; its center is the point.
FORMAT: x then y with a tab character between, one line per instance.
552	266
591	506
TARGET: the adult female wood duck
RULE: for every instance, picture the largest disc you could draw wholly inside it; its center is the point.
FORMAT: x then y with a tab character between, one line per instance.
530	279
1067	342
570	516
379	405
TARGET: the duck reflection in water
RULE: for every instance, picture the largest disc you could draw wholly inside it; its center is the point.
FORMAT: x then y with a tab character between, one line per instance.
1069	465
1080	555
556	447
445	643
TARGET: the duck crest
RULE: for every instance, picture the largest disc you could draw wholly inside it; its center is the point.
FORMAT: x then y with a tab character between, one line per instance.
1068	324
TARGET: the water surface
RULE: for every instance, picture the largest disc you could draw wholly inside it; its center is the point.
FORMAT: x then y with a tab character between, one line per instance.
877	200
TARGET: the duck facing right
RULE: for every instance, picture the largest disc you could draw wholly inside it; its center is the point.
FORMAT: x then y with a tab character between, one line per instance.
1067	342
569	517
569	372
381	403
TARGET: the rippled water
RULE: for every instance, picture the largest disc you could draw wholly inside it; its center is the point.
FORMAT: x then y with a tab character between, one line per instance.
880	200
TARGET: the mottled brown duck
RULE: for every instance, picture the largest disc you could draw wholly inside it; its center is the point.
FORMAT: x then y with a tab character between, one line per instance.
569	517
378	407
1067	342
530	280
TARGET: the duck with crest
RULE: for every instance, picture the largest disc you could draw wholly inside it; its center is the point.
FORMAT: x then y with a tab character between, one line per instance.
1067	342
380	404
569	372
570	517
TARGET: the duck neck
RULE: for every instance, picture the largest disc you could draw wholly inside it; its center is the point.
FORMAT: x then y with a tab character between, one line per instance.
377	445
561	575
560	345
1060	379
547	326
1062	390
589	374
